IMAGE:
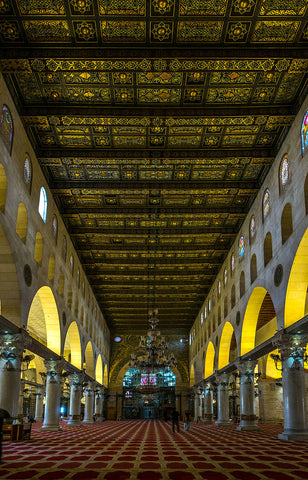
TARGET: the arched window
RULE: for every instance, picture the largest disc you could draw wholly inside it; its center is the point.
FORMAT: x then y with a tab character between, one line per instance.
219	288
51	268
38	248
55	227
284	173
266	203
253	268
6	128
242	284
232	263
286	223
225	277
72	264
28	172
209	305
252	229
201	318
268	249
205	313
304	133
241	247
43	204
64	248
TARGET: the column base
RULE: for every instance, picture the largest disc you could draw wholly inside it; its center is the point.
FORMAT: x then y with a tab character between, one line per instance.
222	423
51	428
74	423
38	419
88	421
296	436
208	421
248	428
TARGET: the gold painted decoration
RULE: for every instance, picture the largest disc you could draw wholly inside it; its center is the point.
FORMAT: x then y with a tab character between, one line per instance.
231	77
122	7
228	95
163	7
275	31
199	31
113	31
84	7
39	7
202	7
159	95
5	7
9	31
47	31
283	7
159	78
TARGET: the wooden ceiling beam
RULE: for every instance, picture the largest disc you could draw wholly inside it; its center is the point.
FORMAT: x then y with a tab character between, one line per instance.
59	187
127	231
88	264
150	52
66	212
174	249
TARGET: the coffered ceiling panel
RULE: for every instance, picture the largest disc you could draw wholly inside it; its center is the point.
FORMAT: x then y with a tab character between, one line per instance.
155	123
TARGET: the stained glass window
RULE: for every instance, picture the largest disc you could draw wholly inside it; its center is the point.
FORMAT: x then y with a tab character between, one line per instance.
78	277
252	227
43	204
284	171
205	312
54	227
201	319
219	288
225	276
304	133
266	203
232	262
209	305
72	264
6	128
241	247
27	170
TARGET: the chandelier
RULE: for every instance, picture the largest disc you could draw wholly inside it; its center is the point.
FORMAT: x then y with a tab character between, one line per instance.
152	354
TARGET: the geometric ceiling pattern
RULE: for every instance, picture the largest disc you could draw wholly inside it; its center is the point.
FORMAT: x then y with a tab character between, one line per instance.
155	124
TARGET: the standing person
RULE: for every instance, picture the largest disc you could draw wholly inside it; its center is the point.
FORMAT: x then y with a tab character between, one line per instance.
187	420
175	419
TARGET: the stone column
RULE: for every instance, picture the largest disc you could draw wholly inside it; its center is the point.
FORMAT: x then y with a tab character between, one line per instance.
21	398
53	395
197	404
208	403
292	352
75	380
222	400
11	348
98	405
247	396
89	405
39	405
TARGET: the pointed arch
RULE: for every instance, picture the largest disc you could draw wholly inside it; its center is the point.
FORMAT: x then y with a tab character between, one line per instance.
22	222
225	345
209	360
43	319
9	286
99	370
89	359
72	346
259	313
3	188
105	376
38	248
297	285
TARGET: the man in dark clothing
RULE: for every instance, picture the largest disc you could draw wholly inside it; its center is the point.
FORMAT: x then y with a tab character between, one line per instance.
175	419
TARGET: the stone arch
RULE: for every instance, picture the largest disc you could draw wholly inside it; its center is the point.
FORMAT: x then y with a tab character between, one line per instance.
225	345
268	248
72	346
22	222
99	370
286	223
105	382
51	268
9	286
3	188
209	364
38	248
192	375
89	359
242	284
296	296
259	314
253	268
43	319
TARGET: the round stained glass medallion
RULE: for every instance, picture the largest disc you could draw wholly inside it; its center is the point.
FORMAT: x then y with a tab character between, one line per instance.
252	228
284	171
266	203
117	339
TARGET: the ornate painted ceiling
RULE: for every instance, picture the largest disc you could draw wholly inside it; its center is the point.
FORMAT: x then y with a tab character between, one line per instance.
155	122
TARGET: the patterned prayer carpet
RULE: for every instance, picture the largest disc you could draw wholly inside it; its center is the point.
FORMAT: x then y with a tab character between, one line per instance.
148	450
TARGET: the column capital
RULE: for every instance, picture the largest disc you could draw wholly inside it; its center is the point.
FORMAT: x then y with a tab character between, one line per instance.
76	379
291	346
12	345
54	367
247	367
222	378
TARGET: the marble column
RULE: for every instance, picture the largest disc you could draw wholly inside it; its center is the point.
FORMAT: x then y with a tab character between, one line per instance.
292	353
75	381
208	403
39	405
222	400
21	398
248	417
197	405
11	348
53	395
89	405
98	405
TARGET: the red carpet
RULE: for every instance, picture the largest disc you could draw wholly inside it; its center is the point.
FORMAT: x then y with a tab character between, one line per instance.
148	450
